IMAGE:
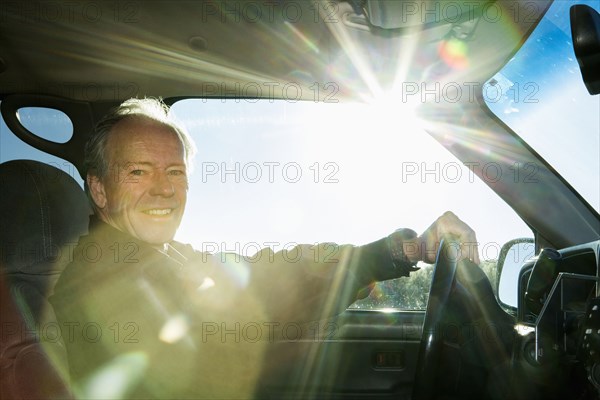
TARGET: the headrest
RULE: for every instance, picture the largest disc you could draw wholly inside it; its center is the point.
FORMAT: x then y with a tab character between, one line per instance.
43	211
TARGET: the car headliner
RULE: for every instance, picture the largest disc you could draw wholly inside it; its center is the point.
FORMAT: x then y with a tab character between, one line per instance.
102	53
157	47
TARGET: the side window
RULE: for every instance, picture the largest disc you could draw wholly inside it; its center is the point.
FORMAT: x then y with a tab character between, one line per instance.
403	293
47	123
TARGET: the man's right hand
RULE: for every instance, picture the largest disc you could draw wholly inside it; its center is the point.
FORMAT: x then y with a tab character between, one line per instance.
424	248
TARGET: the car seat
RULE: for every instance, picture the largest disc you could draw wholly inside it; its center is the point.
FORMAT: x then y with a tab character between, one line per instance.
43	211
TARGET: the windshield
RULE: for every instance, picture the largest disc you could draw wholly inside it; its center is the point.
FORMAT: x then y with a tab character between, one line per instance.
309	172
274	173
540	94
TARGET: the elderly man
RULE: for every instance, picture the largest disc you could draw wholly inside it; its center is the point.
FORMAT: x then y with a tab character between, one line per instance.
144	307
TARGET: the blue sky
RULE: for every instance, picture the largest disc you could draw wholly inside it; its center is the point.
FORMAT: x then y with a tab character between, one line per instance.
566	130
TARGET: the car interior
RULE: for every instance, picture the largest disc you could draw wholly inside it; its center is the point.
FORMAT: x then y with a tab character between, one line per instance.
85	57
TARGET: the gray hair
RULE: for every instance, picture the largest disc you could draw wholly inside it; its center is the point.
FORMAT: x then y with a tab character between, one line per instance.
96	159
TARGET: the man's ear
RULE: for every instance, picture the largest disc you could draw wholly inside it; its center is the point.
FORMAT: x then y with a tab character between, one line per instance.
97	190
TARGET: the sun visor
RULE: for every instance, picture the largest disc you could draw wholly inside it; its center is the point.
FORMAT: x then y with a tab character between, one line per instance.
405	14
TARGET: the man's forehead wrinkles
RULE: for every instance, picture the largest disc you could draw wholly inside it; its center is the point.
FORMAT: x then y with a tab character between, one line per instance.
144	153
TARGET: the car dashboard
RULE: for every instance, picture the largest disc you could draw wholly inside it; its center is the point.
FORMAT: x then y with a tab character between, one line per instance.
558	348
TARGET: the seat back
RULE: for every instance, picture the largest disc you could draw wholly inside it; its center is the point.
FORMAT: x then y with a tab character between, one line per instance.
43	211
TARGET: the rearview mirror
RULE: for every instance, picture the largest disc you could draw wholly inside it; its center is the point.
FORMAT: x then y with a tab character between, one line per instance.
512	257
585	31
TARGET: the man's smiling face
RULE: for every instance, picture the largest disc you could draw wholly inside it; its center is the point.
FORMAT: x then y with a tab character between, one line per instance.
145	190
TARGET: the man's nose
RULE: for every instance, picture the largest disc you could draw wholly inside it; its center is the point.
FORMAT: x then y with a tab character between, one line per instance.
162	185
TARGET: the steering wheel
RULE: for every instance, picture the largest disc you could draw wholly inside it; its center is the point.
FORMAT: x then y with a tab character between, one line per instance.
444	273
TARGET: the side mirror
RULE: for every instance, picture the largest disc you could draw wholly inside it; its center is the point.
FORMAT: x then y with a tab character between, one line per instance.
512	257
